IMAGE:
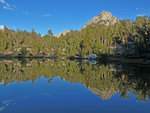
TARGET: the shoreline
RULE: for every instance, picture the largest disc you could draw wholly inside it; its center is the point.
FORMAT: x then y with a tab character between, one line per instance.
135	62
110	59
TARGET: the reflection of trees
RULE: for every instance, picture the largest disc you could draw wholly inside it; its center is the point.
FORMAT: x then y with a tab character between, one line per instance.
102	80
135	80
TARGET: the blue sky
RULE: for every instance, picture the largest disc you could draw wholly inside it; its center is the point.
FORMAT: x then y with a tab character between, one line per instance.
60	15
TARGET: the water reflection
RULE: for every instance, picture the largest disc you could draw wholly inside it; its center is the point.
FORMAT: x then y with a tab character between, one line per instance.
104	80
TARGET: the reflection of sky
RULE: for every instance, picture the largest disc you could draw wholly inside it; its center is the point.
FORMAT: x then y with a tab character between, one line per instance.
5	104
62	97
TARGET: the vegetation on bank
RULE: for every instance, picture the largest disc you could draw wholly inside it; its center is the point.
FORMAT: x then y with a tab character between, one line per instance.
129	39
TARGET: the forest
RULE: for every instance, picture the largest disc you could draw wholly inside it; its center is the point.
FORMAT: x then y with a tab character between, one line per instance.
127	39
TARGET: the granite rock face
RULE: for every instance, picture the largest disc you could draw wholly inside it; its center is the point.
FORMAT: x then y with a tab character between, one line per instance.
62	33
105	18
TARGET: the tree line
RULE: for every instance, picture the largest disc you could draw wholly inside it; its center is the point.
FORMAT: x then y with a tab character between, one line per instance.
126	39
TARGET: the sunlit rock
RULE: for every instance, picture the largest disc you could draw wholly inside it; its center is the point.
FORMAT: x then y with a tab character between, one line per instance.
92	57
105	18
62	33
92	61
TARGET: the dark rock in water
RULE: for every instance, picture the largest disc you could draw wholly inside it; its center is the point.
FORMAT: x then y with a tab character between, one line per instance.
1	54
146	55
148	61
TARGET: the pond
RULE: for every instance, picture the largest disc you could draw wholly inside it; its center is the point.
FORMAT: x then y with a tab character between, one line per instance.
37	86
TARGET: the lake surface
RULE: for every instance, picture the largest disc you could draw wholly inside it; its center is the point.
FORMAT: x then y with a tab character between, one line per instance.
36	86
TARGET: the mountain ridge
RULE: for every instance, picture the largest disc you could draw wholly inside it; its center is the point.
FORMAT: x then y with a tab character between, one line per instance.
105	18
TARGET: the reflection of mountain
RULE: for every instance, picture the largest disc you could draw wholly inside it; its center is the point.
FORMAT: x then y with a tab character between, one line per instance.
103	80
103	94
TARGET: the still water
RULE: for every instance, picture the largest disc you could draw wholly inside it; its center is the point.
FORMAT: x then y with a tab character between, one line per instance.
73	87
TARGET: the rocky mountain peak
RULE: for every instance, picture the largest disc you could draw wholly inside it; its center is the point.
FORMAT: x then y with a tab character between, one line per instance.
105	18
105	14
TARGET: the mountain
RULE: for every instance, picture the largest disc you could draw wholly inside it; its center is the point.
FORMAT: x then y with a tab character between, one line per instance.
105	18
62	33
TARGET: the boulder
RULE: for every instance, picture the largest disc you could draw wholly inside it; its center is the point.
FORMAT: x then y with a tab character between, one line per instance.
92	61
92	57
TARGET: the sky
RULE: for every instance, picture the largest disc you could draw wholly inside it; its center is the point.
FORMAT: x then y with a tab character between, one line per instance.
59	15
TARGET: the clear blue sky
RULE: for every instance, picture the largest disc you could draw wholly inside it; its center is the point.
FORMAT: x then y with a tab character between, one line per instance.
59	15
